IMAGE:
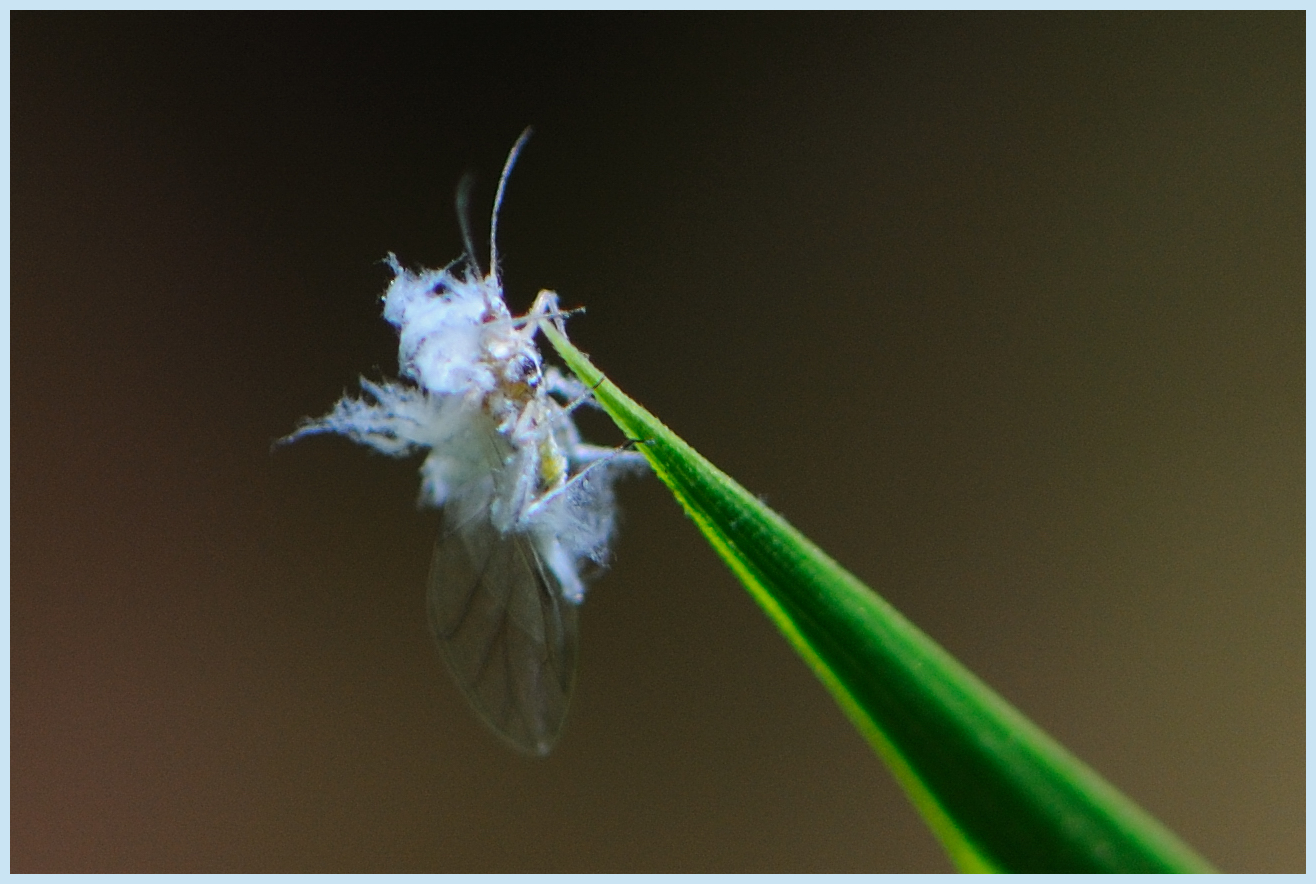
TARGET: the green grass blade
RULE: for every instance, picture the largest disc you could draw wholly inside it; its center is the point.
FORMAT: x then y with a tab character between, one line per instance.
998	792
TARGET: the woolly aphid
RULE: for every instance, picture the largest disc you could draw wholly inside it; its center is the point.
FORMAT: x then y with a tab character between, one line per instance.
528	508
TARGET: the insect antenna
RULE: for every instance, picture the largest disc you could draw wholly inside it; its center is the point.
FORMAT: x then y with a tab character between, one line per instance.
498	198
464	218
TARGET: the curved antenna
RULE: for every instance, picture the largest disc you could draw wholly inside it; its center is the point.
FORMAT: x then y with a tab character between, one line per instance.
498	199
464	218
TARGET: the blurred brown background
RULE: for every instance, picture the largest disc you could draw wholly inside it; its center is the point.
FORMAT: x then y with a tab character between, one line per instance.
1005	311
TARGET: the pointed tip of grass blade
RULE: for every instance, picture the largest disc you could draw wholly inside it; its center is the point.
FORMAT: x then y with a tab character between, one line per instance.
998	792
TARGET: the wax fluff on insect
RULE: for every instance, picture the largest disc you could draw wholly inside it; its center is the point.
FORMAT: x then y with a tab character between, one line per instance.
529	507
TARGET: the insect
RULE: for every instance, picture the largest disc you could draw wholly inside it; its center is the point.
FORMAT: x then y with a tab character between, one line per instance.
528	507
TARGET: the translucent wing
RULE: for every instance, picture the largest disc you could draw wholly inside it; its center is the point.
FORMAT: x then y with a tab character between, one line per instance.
508	635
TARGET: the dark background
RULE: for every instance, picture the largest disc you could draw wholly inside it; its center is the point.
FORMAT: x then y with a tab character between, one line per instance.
1004	311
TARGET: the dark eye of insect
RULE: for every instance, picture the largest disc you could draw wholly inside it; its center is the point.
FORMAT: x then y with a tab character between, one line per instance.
528	371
